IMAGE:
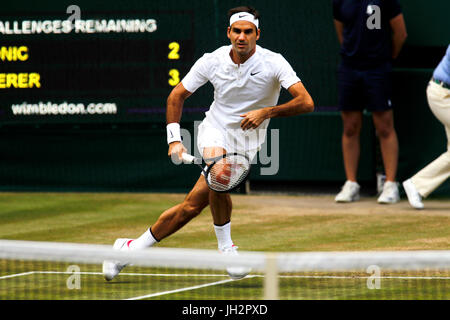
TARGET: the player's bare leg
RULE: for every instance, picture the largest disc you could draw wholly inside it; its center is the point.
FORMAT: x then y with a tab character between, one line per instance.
384	124
352	123
168	222
221	207
197	199
220	203
176	217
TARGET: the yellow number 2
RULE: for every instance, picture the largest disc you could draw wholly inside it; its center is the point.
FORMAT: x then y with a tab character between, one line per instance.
174	49
174	77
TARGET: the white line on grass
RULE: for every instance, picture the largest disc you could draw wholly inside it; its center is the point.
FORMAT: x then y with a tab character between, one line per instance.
16	275
180	290
122	274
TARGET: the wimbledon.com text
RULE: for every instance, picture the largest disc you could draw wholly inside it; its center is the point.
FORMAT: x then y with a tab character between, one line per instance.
49	108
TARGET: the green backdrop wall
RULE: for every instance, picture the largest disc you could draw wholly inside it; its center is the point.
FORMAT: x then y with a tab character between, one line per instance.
127	151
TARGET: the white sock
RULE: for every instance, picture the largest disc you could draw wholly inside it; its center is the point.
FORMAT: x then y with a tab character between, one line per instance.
223	234
144	241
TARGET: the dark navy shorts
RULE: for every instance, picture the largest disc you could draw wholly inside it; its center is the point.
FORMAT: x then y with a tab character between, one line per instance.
369	89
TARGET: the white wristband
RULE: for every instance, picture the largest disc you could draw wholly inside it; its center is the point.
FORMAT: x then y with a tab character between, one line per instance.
173	132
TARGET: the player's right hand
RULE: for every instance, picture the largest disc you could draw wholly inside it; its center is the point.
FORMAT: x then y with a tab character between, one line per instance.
176	148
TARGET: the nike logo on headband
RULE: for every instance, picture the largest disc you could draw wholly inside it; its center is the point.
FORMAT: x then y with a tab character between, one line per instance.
244	16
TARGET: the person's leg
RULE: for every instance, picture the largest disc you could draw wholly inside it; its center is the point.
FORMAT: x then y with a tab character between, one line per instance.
351	103
197	199
212	143
352	123
176	217
384	125
220	205
378	92
168	222
434	174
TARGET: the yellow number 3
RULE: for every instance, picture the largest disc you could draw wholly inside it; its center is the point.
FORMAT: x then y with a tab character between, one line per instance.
174	49
174	77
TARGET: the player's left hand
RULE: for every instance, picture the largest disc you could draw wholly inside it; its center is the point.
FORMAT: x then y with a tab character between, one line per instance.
253	119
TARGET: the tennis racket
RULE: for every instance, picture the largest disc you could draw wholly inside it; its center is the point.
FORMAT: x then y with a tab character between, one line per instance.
223	173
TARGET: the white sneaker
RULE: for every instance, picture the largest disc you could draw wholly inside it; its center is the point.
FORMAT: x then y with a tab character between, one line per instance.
235	273
414	197
349	192
390	193
112	268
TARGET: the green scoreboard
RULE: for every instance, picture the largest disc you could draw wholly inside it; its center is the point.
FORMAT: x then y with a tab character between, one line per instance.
82	63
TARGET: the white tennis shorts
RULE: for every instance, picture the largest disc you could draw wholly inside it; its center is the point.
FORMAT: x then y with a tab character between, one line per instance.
232	140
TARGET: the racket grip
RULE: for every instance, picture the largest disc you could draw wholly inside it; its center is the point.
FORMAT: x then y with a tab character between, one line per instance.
187	158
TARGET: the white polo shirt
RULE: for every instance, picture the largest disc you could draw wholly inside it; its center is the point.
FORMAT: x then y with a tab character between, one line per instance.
240	88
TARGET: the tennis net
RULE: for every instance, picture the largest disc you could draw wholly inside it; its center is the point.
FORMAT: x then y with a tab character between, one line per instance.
47	270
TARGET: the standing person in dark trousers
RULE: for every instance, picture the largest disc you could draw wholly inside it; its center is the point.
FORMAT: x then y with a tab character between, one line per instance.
371	34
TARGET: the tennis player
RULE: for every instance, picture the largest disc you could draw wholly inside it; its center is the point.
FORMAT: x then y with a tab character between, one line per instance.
247	80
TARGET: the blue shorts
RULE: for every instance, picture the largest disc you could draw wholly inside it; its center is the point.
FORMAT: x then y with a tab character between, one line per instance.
369	89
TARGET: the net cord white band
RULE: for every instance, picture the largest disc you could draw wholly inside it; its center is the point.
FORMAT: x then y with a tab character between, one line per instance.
244	16
212	259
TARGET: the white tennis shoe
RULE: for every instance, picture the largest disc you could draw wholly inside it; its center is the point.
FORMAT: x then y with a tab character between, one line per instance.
112	268
414	197
349	192
390	193
235	273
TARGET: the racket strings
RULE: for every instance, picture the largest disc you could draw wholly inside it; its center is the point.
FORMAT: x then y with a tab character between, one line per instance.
228	173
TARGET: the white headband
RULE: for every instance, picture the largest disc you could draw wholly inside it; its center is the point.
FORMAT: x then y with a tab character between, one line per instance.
244	16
